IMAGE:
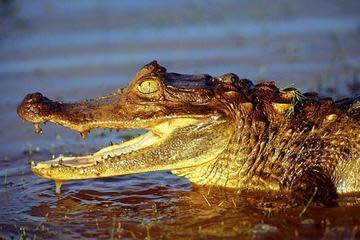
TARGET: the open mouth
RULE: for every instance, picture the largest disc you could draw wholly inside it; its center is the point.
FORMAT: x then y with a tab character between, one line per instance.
106	153
170	145
90	166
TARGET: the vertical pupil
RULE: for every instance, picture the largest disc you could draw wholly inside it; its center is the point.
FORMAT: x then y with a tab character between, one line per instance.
148	87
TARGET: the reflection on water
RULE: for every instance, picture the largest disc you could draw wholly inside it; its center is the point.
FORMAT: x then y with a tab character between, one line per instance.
88	48
160	205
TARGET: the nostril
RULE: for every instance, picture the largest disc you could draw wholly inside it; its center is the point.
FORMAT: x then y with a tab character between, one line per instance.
34	97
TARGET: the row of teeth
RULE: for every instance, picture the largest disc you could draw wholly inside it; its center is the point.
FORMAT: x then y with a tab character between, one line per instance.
61	161
116	153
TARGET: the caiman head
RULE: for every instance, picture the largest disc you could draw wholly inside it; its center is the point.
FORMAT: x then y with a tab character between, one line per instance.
188	118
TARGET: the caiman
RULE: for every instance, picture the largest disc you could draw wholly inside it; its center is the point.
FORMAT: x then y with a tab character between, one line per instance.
218	131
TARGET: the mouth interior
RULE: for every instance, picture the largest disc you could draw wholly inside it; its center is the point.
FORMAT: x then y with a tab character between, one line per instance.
154	136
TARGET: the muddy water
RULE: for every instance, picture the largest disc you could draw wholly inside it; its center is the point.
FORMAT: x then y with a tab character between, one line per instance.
83	49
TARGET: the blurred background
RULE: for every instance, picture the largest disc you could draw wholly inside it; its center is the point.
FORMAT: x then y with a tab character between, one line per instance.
85	48
73	50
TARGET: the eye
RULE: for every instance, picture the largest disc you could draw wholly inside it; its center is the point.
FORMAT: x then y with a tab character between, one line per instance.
148	86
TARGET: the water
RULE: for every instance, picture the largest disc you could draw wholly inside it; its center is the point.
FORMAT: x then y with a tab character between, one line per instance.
72	51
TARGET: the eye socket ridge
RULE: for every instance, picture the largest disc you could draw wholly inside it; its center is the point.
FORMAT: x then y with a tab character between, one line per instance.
148	86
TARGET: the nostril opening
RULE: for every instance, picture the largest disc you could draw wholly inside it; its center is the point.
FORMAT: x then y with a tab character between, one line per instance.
34	97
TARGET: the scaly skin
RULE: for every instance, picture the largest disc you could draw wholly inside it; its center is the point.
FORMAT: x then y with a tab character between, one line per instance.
218	131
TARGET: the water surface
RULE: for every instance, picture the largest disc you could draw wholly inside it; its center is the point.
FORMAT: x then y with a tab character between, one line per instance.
83	49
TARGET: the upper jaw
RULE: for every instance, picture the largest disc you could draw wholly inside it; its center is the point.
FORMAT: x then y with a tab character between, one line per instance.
103	112
113	111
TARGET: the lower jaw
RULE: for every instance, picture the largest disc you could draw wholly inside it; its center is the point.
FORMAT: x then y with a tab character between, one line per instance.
91	164
156	135
111	161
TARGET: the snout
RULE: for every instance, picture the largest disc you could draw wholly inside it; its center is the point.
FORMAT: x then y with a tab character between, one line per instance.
36	108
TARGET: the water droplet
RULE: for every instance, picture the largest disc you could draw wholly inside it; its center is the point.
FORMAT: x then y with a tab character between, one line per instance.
85	134
38	129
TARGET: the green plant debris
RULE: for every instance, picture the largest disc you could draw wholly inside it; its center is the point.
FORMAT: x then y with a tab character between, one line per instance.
297	100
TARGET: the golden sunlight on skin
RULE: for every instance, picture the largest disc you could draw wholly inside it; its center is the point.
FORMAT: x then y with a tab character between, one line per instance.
217	131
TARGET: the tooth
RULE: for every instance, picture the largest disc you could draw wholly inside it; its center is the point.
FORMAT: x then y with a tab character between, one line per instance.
85	134
38	129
